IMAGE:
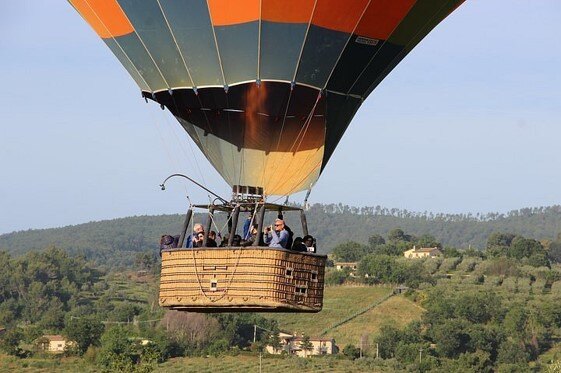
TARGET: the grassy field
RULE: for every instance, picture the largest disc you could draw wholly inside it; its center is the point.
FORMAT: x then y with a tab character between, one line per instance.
343	301
249	364
10	364
225	364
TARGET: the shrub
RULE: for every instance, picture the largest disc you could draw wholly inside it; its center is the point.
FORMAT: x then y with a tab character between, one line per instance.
432	265
335	277
351	351
468	264
502	267
449	264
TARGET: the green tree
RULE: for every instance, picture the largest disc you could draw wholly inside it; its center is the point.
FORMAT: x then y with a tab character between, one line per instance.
10	341
274	339
379	268
524	248
376	240
85	331
483	337
513	352
477	307
116	352
336	277
306	345
350	251
408	352
538	260
515	323
146	260
478	361
554	251
427	240
218	347
387	340
351	351
397	234
124	312
451	338
500	239
451	252
498	244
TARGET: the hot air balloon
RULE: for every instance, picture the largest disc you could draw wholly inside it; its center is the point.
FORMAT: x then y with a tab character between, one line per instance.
266	89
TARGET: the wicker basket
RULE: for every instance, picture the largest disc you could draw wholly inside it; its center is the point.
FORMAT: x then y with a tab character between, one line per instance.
253	279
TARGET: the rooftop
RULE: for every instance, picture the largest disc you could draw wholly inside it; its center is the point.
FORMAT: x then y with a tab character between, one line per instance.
54	338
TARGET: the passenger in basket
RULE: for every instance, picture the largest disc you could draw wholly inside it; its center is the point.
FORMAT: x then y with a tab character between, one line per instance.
224	241
200	239
277	236
237	240
298	245
193	238
166	243
211	240
253	236
310	243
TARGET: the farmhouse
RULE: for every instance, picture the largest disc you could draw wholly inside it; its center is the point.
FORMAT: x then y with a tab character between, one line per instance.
423	252
342	265
292	345
53	343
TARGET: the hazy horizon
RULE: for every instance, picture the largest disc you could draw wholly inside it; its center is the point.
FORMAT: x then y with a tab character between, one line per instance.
473	213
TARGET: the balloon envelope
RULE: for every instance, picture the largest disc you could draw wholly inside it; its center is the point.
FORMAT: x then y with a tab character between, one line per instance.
265	88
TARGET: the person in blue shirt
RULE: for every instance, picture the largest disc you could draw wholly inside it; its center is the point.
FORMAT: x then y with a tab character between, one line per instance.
192	239
277	236
247	228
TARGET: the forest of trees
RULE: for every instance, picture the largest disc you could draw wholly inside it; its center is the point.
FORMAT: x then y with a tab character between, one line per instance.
472	322
482	310
51	292
71	289
115	242
381	259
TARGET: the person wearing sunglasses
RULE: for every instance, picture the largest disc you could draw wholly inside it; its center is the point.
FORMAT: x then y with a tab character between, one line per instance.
277	236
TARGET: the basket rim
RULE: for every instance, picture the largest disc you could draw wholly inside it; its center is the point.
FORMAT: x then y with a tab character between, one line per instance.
250	248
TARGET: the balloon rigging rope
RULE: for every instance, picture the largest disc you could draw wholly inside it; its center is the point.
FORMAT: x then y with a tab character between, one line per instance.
232	148
191	147
181	146
174	102
216	158
225	292
142	77
160	134
211	216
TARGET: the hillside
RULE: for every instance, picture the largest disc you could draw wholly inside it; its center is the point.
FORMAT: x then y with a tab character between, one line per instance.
342	301
117	240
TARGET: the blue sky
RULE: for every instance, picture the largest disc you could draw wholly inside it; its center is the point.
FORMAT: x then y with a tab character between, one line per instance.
470	121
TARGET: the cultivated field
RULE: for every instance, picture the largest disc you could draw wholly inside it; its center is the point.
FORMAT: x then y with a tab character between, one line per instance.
341	302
